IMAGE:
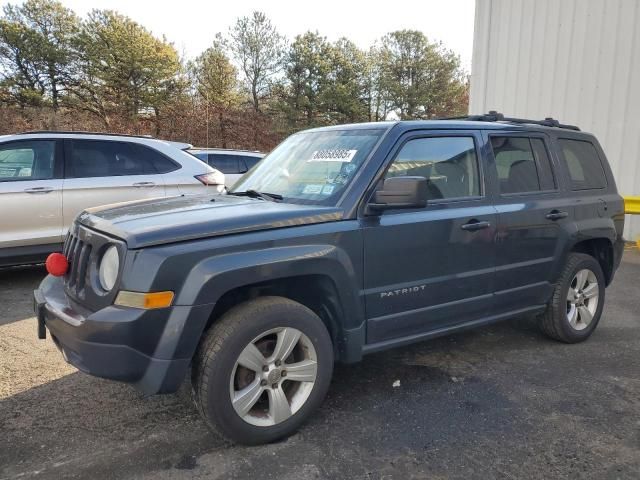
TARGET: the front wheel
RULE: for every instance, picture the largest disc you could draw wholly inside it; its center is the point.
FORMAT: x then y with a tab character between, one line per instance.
262	369
575	308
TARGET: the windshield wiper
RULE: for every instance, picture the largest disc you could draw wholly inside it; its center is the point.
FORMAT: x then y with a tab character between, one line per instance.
270	197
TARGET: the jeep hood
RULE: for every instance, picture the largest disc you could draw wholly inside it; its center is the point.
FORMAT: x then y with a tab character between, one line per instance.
159	221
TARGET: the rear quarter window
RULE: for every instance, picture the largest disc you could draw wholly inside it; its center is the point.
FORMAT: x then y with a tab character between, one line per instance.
583	164
161	164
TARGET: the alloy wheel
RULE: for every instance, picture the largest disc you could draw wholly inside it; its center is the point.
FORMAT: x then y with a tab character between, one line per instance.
582	299
273	376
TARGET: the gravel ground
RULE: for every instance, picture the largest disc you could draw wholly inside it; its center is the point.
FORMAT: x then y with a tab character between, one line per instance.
497	402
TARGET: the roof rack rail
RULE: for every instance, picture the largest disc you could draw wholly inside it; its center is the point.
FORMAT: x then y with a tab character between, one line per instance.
494	116
243	150
82	132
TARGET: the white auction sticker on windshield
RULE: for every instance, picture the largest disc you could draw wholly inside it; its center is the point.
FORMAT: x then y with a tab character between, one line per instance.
333	155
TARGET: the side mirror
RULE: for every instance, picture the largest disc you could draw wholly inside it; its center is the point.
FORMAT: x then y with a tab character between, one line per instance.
400	192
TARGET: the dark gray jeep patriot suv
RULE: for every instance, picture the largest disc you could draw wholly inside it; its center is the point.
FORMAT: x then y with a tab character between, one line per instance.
343	241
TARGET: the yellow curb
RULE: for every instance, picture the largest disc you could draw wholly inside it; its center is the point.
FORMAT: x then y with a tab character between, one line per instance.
632	206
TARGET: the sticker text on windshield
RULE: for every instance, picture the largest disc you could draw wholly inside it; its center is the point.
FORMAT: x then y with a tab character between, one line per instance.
333	155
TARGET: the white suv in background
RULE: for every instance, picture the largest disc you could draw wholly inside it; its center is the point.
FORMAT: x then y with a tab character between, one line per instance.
47	178
233	163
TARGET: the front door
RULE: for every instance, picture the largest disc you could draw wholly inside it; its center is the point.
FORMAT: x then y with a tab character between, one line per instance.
432	268
30	194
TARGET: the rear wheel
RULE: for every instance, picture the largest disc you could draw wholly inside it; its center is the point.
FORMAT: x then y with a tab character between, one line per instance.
578	298
262	369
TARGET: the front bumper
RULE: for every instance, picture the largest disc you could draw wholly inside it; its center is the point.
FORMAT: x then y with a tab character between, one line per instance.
151	349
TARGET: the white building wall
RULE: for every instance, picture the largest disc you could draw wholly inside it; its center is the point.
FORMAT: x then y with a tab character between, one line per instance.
575	60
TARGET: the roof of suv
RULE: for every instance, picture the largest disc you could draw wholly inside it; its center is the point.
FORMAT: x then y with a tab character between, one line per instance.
489	121
147	139
441	124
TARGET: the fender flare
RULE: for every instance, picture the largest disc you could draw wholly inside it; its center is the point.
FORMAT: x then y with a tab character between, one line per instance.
212	277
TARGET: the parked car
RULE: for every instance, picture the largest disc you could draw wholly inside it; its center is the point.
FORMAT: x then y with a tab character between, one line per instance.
233	163
344	241
47	178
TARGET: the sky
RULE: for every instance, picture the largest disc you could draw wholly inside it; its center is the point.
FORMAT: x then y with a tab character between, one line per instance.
191	25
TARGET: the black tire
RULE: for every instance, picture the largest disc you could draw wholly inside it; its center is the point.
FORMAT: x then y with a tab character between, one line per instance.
220	349
554	322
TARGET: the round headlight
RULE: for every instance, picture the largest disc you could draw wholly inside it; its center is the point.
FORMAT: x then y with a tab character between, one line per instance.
109	266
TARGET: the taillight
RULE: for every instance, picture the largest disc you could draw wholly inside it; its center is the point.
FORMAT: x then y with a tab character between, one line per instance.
211	178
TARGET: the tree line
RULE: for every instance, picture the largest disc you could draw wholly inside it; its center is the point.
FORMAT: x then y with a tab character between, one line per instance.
251	87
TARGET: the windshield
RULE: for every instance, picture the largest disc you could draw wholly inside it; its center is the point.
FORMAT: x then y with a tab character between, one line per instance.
311	167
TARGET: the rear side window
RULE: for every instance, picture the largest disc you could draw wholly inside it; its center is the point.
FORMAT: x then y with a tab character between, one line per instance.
97	158
523	164
248	161
27	160
225	163
449	164
583	164
545	171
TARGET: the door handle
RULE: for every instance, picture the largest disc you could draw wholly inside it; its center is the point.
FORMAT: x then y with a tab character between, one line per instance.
38	190
556	215
474	225
144	184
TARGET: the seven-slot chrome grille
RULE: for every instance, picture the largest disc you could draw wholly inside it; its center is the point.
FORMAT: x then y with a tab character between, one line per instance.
78	253
84	248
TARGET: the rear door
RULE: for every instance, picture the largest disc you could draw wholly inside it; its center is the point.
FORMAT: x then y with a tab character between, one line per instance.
534	218
30	193
100	172
431	268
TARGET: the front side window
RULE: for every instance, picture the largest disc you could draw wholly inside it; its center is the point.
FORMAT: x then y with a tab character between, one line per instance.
515	161
27	160
312	167
449	164
583	163
97	158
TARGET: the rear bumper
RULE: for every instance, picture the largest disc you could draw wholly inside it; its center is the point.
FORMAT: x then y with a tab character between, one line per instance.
150	349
